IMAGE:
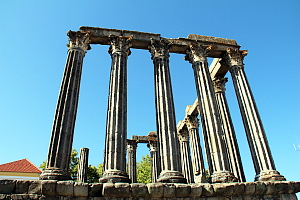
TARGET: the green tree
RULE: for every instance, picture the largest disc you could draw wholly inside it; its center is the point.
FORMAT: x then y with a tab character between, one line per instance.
93	172
143	169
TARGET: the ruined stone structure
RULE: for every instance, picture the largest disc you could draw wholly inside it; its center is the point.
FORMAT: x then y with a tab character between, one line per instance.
178	167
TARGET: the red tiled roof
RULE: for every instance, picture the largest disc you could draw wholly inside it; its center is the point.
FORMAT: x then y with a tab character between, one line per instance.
23	165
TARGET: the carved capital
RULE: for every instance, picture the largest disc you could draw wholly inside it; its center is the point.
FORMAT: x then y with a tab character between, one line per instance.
152	146
119	44
197	52
79	41
235	57
219	84
183	135
131	145
159	48
192	122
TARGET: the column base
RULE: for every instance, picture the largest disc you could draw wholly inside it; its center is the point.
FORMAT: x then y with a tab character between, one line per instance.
114	176
200	178
269	175
171	177
223	177
55	174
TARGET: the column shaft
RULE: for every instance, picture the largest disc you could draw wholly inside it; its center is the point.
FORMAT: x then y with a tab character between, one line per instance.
83	165
186	163
256	136
116	125
209	115
228	129
165	114
64	121
197	156
131	149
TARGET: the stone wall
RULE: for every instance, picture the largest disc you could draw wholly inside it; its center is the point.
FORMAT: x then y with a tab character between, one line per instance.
50	189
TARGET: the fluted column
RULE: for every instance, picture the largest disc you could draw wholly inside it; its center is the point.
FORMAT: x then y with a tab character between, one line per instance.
155	167
228	129
131	149
197	156
64	121
209	115
256	136
83	165
116	125
165	114
186	163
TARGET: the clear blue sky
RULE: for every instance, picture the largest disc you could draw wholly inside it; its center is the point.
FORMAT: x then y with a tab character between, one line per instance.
33	56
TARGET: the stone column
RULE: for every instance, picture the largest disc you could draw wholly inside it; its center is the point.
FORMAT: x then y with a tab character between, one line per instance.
131	149
165	114
228	129
155	167
256	136
116	125
197	156
64	121
186	163
83	165
211	124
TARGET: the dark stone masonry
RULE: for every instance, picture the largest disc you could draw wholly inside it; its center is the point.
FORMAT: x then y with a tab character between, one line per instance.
52	189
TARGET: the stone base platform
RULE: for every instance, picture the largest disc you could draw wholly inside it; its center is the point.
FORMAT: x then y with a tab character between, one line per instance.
65	190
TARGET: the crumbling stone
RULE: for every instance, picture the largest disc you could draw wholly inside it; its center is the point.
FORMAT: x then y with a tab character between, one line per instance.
49	187
156	190
22	186
81	189
139	190
169	190
207	190
196	190
260	188
238	188
7	186
182	190
249	188
95	189
35	187
65	188
223	189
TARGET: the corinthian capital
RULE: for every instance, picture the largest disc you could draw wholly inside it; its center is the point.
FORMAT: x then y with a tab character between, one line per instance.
219	84
119	44
79	40
197	52
235	57
192	122
159	48
183	135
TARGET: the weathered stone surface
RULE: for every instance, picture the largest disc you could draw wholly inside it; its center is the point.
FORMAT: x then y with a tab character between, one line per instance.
223	189
35	187
169	190
22	186
139	190
207	189
182	190
81	189
249	188
196	190
260	188
7	186
65	188
116	190
239	188
95	190
19	196
49	187
155	190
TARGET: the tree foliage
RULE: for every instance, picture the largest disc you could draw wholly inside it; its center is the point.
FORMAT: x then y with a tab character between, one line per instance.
93	174
143	169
